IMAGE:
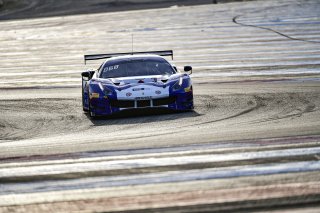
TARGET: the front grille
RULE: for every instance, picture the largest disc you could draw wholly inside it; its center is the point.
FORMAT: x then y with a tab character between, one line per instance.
122	103
142	103
164	101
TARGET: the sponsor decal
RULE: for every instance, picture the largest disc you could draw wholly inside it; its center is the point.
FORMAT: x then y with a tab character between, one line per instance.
94	95
188	89
144	98
137	89
158	92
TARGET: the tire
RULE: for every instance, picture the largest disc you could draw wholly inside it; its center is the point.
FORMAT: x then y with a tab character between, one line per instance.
91	114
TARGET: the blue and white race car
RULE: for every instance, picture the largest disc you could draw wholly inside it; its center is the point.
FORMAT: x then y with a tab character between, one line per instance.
135	80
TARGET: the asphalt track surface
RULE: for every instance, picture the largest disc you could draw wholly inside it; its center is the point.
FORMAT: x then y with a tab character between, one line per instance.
251	144
20	9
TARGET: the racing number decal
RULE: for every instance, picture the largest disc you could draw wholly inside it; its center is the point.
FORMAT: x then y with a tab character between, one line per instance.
111	68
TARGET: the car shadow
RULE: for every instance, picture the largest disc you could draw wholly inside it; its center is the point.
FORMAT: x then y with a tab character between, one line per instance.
136	116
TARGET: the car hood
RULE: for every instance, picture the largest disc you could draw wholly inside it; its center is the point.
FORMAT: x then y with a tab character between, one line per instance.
142	79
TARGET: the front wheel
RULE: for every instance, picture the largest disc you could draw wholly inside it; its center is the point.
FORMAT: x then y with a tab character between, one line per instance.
91	114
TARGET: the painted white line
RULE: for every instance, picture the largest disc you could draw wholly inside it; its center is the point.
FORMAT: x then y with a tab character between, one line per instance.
166	191
255	73
150	162
162	177
193	149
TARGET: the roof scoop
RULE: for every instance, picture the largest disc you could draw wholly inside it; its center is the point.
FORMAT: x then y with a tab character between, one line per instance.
164	78
115	81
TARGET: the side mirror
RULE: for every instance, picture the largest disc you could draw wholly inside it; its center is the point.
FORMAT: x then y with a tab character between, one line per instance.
188	69
87	75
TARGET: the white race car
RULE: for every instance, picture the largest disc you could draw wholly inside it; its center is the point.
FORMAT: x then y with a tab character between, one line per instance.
133	81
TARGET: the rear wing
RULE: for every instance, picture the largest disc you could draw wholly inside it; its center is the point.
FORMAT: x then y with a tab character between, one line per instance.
110	55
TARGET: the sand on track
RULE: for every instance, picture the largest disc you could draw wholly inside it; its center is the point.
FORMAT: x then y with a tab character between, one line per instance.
222	112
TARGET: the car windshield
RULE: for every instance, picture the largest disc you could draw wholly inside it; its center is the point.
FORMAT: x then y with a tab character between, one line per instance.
136	67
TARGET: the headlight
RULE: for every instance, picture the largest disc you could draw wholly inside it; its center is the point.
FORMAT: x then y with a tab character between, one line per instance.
105	89
177	85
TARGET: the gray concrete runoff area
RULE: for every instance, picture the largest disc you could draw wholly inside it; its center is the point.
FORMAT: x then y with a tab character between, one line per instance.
252	143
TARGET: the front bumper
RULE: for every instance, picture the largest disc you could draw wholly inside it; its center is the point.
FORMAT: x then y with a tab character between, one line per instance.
108	106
